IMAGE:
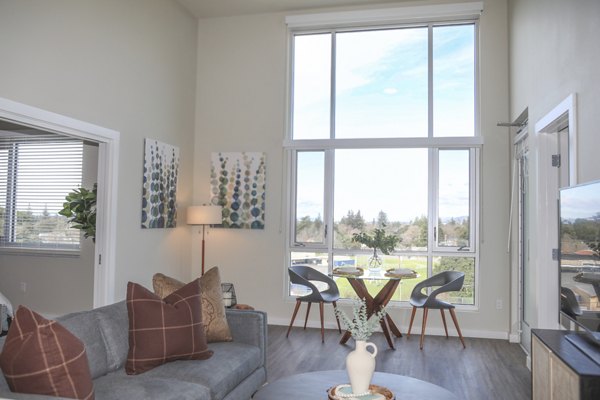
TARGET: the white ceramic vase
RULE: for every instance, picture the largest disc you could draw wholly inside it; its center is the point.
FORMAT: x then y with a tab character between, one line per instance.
360	365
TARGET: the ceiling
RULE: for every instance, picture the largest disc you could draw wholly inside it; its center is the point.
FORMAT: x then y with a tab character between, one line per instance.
226	8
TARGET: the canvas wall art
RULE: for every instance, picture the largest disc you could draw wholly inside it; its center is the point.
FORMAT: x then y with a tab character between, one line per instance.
238	185
159	203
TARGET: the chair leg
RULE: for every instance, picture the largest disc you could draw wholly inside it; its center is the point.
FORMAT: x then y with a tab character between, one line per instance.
412	318
293	317
307	311
425	311
336	317
457	328
321	311
444	321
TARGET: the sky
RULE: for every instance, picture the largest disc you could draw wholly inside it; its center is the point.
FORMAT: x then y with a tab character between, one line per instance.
381	91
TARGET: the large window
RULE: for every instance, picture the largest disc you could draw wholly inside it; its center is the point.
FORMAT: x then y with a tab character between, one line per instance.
36	173
383	135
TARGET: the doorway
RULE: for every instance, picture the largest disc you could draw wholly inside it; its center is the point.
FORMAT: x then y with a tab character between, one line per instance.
525	302
108	155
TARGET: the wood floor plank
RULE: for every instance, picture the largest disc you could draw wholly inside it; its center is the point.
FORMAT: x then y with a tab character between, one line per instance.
486	369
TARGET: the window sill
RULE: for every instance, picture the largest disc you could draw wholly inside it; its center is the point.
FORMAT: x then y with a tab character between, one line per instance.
23	251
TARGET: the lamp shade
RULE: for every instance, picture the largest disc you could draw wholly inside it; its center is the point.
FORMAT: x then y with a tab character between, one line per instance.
204	215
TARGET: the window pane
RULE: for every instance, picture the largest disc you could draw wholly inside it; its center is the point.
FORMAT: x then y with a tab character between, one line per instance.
381	83
453	201
312	86
454	80
35	176
463	264
310	188
371	191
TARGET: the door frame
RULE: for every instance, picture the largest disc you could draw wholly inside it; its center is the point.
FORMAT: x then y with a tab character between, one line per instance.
108	160
545	231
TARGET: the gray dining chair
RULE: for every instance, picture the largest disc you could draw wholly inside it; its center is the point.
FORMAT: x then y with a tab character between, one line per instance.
303	275
448	281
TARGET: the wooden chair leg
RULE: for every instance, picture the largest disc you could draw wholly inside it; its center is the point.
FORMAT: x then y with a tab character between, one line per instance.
293	317
307	311
412	318
444	321
321	311
425	312
336	316
457	328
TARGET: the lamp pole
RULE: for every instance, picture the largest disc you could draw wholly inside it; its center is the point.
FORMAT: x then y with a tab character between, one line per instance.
204	215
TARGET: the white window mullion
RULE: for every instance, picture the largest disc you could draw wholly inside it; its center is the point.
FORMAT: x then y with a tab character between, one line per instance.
433	207
430	80
473	199
329	198
333	86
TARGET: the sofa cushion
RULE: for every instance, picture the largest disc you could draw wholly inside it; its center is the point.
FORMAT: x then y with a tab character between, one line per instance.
42	357
84	325
164	330
213	309
118	385
114	324
229	366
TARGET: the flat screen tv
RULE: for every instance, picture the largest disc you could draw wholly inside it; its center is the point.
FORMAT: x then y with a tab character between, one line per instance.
579	261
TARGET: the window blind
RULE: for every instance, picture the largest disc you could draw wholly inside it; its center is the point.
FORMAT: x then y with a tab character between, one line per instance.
37	171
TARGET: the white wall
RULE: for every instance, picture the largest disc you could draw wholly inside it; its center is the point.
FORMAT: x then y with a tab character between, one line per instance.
125	65
241	107
554	52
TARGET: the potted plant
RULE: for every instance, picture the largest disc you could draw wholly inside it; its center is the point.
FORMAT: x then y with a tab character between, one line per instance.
360	363
378	240
80	210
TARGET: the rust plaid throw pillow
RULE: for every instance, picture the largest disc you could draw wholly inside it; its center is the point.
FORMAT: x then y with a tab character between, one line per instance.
163	330
42	357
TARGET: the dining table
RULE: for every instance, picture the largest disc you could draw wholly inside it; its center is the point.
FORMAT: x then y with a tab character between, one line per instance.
357	278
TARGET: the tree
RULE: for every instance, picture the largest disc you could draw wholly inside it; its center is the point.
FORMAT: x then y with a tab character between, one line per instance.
354	221
382	219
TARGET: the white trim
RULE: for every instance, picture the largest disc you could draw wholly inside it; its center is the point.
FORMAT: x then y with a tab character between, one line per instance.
561	116
386	15
108	157
382	143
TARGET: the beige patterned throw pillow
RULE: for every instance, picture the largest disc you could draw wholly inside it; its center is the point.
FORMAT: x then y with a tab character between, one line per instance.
213	310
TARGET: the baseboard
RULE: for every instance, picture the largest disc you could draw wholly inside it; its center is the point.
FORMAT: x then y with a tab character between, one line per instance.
471	333
514	338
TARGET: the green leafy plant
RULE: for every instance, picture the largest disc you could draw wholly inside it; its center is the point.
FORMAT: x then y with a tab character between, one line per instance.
359	325
378	240
80	210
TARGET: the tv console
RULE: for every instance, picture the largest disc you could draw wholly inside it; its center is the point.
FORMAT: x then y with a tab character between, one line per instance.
560	370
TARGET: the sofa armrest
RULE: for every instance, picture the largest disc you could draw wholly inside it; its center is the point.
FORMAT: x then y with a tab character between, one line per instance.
249	327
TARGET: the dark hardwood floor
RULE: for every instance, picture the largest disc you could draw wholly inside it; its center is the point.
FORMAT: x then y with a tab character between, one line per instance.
486	369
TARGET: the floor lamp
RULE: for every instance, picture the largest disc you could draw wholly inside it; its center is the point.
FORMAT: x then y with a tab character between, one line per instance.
204	215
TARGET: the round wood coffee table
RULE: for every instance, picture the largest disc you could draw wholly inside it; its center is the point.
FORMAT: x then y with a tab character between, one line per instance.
314	385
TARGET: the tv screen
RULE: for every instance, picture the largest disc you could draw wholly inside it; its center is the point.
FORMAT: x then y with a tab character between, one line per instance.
579	257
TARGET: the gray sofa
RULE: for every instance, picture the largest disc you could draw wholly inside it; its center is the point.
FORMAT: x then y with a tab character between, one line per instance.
235	371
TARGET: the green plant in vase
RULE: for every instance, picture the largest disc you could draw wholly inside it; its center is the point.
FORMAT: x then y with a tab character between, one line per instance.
80	210
378	240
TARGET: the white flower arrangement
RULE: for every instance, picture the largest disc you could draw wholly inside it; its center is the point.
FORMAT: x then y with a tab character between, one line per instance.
360	326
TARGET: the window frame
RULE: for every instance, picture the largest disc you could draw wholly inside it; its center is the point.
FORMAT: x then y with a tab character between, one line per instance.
433	144
10	246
